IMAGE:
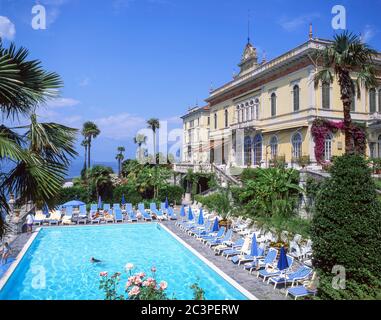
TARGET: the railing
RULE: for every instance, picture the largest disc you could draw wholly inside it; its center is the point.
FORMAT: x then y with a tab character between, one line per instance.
196	167
222	174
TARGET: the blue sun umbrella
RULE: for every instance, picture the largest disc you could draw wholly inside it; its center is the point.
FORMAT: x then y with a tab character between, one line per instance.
215	226
190	214
200	218
45	209
254	246
166	203
123	200
282	262
73	203
182	211
99	202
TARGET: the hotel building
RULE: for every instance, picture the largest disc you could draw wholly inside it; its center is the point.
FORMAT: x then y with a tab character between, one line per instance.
267	112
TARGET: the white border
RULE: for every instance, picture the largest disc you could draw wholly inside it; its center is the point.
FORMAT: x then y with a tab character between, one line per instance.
231	281
4	279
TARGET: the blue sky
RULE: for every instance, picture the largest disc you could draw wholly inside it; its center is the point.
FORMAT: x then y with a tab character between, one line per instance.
124	61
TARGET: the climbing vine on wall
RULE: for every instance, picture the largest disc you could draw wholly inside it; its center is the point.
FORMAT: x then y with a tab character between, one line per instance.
321	128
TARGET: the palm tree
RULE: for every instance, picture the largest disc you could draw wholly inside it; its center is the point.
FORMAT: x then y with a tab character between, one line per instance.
40	153
154	124
89	131
345	56
85	144
140	139
120	157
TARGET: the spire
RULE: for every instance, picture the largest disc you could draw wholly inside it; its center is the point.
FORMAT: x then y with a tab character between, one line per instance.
310	33
248	26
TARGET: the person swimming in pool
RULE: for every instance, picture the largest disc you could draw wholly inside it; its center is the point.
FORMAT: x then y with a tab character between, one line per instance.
93	260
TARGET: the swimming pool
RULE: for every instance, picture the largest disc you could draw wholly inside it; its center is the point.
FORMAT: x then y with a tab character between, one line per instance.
56	265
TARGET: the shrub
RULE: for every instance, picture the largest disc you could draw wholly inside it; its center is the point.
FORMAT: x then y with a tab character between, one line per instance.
218	202
174	193
73	193
346	227
130	193
248	174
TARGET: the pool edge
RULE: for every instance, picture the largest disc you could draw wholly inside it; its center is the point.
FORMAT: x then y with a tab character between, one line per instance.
210	264
4	279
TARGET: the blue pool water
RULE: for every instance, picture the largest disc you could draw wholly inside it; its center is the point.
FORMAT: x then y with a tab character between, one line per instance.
61	256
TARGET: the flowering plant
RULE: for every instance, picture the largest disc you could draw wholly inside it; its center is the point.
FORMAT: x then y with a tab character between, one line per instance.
321	128
138	287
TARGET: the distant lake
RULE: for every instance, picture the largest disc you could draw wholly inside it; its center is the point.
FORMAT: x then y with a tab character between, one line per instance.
77	166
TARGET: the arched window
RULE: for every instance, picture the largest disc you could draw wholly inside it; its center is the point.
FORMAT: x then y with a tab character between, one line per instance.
379	146
257	149
248	115
372	100
296	97
247	150
226	118
296	145
215	121
326	99
328	147
274	147
273	104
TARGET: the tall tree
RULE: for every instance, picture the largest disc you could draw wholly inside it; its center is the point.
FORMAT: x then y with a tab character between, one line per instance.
346	56
154	125
38	155
90	131
140	139
84	144
120	157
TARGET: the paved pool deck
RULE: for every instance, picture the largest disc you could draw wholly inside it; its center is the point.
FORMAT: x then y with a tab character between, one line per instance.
250	282
260	290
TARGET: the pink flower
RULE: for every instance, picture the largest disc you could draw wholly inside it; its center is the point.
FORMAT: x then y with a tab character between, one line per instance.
103	274
141	274
137	281
163	285
134	291
153	269
149	282
128	284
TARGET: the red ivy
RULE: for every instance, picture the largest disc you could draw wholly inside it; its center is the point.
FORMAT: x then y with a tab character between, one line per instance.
321	128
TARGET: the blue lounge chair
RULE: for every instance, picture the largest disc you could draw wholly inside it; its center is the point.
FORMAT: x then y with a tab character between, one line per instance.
146	216
159	215
219	235
162	207
131	216
129	207
82	216
260	263
300	291
301	274
93	208
230	247
118	215
171	214
115	206
238	259
202	229
226	238
266	274
107	207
